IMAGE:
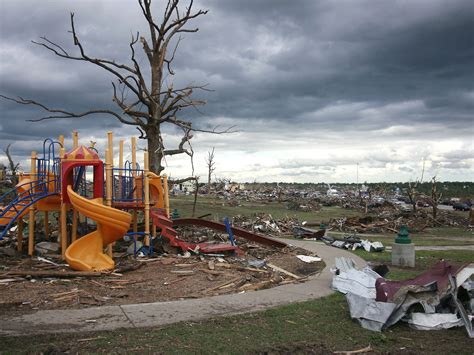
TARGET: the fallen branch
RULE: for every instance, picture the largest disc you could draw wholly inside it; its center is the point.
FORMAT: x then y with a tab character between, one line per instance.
257	286
363	350
128	268
277	268
49	273
222	285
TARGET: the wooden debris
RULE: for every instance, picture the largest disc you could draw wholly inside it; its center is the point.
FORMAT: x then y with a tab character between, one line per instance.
183	272
7	281
213	272
128	268
239	267
88	339
257	286
167	283
168	261
277	268
75	290
222	285
48	273
97	283
211	265
150	260
90	302
363	350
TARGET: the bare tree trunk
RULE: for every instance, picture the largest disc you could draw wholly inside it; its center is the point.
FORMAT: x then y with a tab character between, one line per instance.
155	150
13	167
435	197
210	168
196	189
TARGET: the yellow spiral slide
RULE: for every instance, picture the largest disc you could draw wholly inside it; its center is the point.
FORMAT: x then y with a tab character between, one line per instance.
87	253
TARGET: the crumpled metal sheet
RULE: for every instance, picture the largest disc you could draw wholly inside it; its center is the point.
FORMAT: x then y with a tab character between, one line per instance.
430	290
462	311
438	274
434	321
348	279
370	314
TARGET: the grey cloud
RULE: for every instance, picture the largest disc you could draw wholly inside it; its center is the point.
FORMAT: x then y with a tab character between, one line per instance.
314	70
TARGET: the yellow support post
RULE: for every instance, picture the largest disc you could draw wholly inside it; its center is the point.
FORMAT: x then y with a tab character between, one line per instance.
110	147
63	217
147	199
108	181
108	188
61	140
166	195
75	144
31	221
75	139
120	167
19	238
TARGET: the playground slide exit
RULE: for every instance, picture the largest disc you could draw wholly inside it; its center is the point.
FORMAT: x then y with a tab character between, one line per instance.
86	253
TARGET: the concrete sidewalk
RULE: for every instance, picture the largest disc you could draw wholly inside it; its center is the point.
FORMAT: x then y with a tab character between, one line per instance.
162	313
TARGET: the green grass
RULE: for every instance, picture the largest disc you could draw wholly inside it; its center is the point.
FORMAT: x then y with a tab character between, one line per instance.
322	325
424	258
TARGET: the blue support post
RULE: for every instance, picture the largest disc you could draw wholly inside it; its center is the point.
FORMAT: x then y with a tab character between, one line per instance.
229	231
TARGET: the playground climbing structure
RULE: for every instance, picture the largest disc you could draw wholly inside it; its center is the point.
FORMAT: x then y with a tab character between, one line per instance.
78	186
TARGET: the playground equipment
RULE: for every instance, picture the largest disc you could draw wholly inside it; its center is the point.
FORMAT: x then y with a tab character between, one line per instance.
63	184
86	253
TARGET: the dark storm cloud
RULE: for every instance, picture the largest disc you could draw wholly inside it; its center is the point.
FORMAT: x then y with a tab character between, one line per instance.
275	66
357	51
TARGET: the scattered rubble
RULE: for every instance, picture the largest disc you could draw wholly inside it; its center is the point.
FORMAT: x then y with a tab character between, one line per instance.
45	282
389	220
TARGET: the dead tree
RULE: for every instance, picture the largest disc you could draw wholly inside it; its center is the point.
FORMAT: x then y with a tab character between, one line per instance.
435	197
412	191
12	166
144	101
196	191
210	168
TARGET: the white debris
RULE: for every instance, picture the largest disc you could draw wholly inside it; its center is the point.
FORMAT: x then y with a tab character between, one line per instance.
44	260
434	321
308	258
371	246
348	279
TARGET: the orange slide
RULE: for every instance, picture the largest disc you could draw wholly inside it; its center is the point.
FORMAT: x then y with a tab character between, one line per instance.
86	253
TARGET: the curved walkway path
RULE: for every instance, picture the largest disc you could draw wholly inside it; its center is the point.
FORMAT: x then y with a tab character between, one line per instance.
162	313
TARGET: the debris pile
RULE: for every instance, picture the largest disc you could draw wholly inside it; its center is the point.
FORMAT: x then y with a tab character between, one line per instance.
45	282
388	220
444	293
265	223
350	242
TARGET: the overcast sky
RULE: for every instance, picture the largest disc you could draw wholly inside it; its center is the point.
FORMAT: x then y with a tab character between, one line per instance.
313	87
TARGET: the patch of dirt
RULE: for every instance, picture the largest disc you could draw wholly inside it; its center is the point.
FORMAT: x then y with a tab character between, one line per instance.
164	278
